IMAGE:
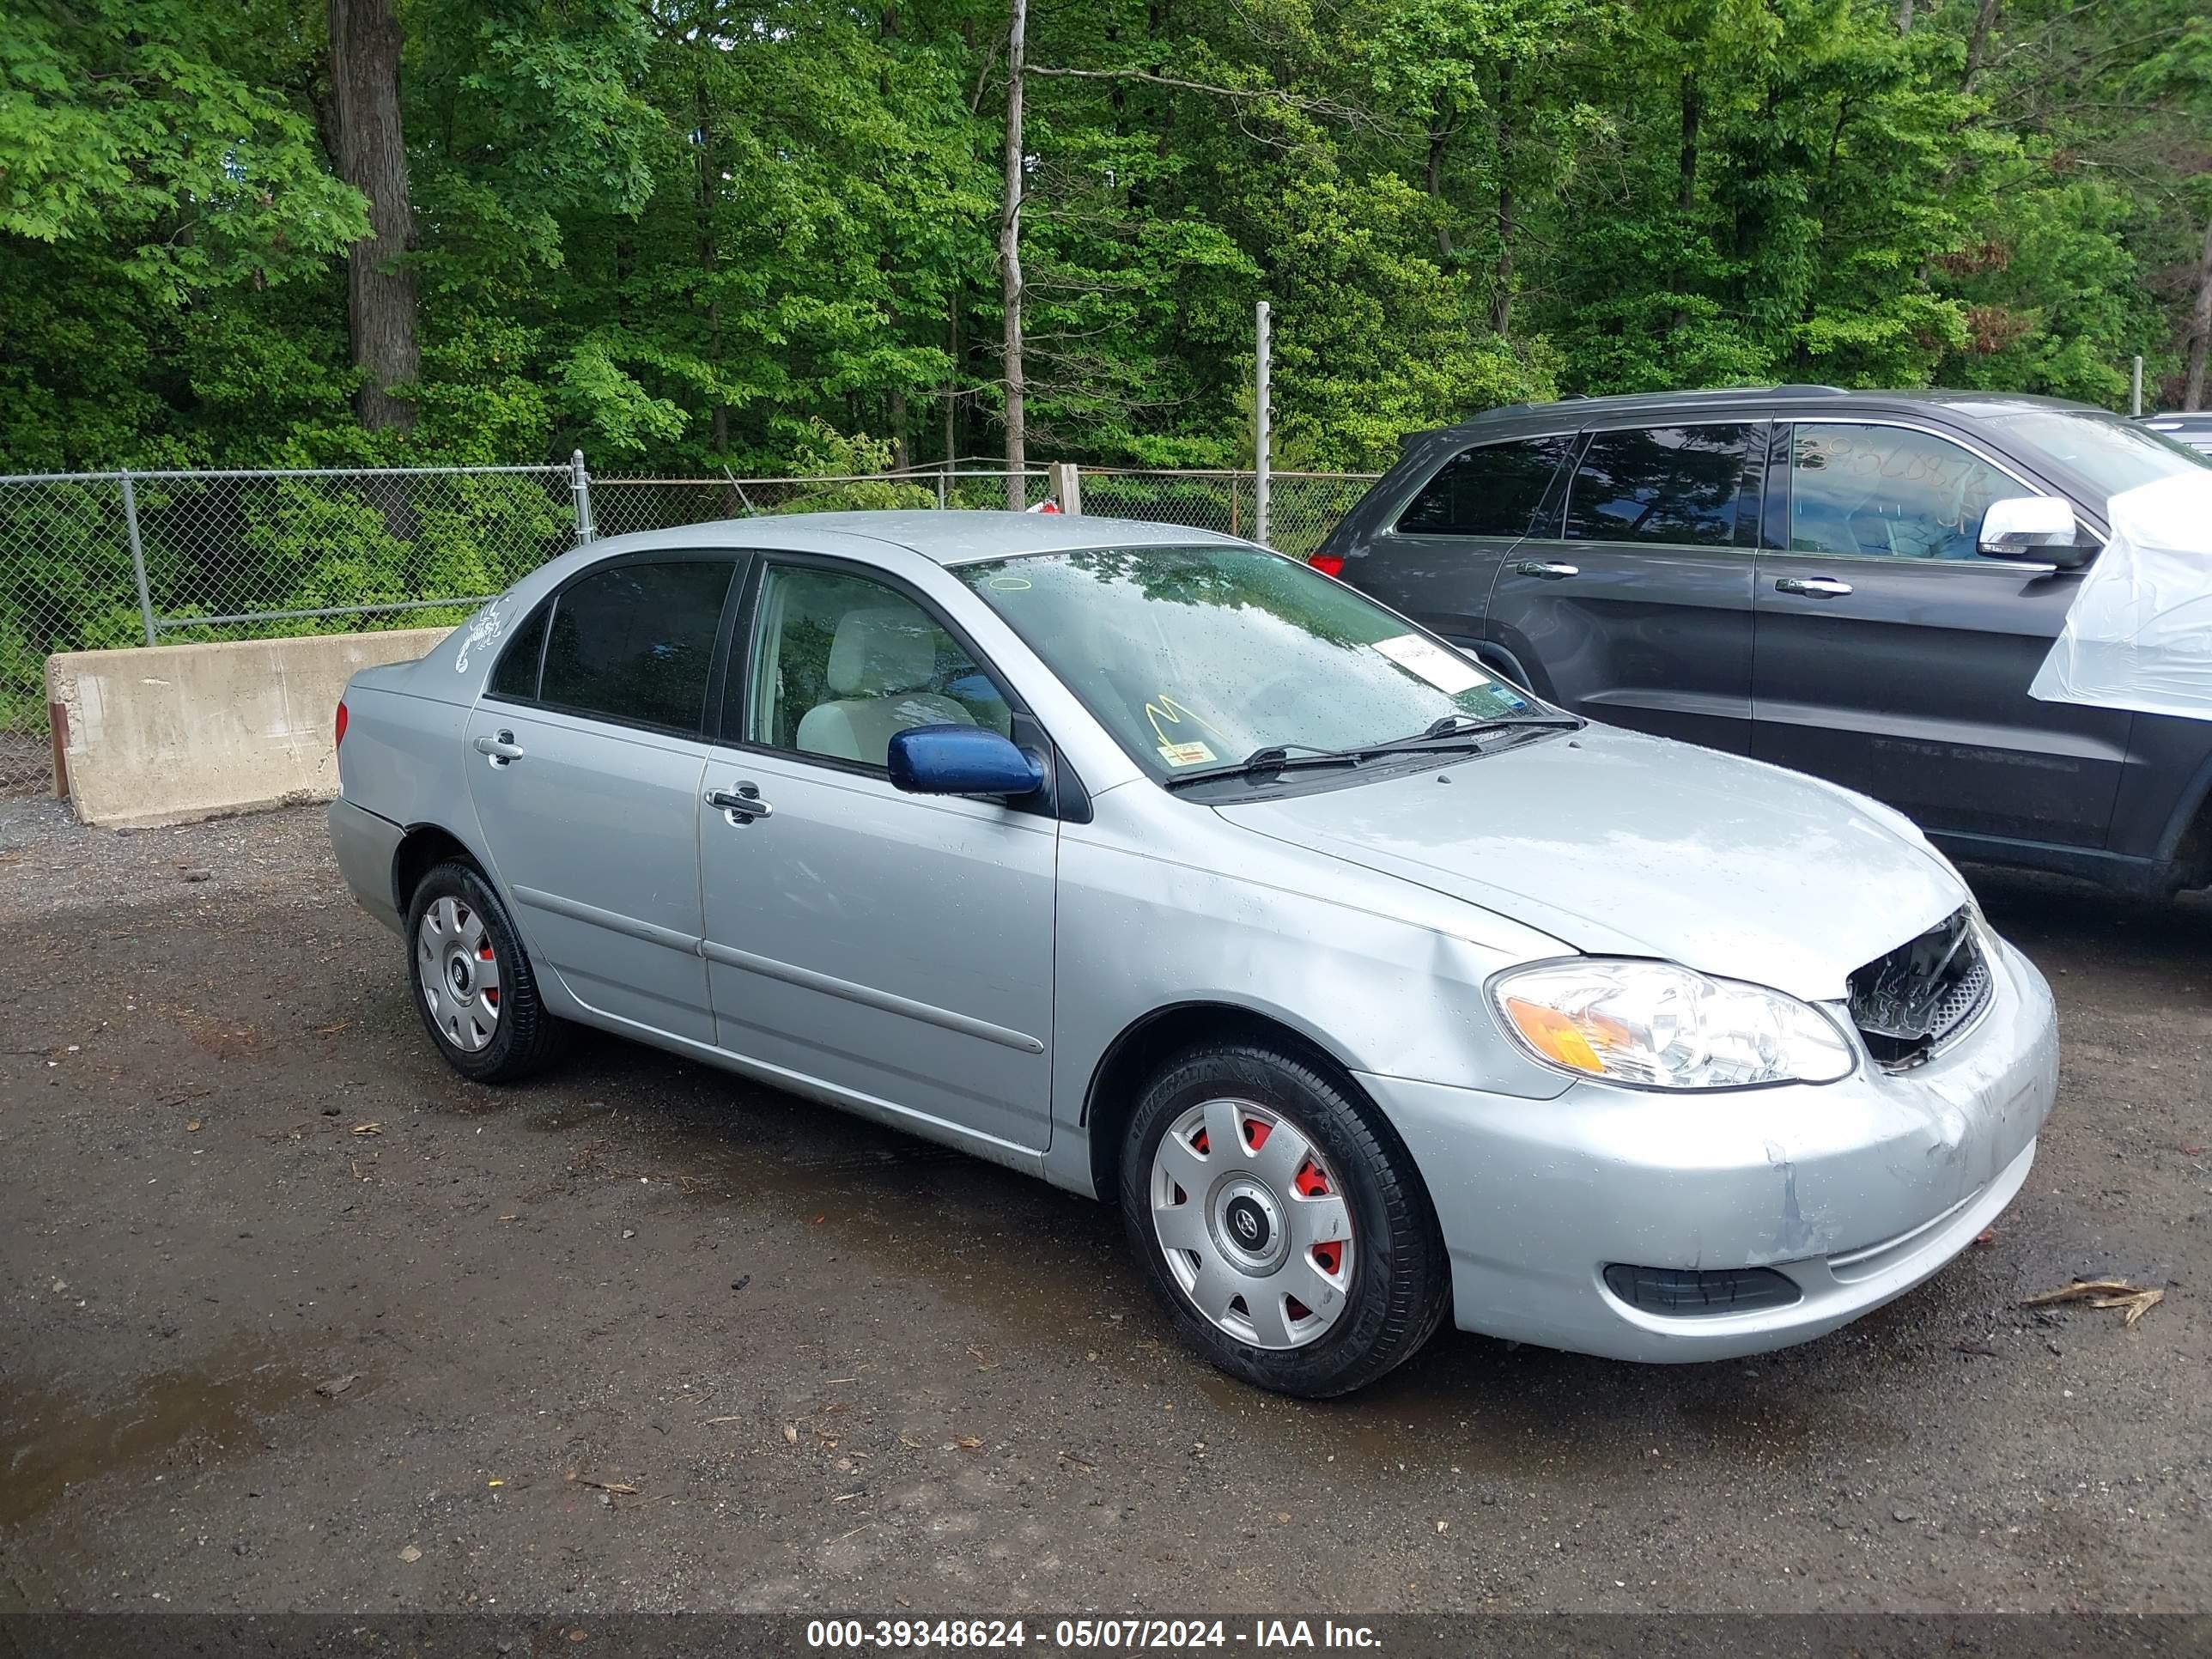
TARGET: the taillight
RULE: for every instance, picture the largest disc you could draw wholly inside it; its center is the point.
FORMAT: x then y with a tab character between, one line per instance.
340	737
1329	564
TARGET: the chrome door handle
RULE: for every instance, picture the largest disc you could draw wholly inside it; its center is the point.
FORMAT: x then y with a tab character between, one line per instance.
1548	571
1813	588
501	747
740	805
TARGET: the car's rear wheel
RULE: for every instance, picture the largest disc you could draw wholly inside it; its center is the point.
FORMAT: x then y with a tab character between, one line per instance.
473	984
1282	1223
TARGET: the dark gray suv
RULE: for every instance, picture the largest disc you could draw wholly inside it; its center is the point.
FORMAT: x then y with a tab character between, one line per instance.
1857	584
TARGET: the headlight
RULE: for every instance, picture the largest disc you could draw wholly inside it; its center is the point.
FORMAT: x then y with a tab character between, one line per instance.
1654	1025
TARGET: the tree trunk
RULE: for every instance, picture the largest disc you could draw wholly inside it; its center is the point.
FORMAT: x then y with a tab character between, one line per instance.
1686	176
1501	294
1978	41
1686	166
2200	339
1905	16
710	253
952	350
1438	139
1501	291
372	157
1009	261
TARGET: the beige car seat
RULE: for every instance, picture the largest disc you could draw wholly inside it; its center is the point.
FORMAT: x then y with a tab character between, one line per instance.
879	661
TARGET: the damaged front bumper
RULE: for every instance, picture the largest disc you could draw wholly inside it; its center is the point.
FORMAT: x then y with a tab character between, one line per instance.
1847	1194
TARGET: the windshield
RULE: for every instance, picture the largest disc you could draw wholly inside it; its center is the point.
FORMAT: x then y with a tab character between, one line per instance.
2109	453
1195	656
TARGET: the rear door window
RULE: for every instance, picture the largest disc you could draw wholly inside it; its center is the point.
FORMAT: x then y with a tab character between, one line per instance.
1690	486
1492	490
635	642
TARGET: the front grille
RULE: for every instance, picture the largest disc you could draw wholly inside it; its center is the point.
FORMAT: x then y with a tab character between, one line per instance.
1910	1001
1683	1291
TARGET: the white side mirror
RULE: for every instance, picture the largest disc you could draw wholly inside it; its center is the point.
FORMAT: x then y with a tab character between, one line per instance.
2037	528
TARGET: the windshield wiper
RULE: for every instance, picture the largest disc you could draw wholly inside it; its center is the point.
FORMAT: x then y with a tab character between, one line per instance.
1269	759
1451	731
1456	731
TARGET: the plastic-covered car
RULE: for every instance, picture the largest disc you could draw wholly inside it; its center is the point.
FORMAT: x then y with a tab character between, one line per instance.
1374	990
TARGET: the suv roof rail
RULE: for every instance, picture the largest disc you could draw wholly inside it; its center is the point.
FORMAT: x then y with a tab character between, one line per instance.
1795	390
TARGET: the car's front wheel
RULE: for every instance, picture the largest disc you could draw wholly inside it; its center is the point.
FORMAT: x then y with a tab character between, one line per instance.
473	984
1282	1223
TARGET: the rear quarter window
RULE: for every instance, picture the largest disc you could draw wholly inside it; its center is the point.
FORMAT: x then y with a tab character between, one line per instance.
515	675
1494	490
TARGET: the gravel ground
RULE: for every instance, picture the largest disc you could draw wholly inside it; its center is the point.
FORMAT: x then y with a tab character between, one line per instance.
645	1337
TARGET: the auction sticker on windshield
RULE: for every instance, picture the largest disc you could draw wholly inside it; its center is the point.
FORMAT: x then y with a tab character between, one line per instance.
1447	672
1185	754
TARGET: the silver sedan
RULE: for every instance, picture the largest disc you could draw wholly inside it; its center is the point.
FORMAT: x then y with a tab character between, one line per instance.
1372	989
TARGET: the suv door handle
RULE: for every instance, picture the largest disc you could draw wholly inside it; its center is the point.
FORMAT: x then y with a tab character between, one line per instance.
741	805
1548	571
502	748
1813	588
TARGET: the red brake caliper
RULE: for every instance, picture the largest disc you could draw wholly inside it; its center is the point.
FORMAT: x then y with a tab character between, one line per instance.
491	995
1312	1184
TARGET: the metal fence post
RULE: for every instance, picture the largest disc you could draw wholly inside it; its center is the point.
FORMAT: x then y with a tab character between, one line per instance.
580	482
137	556
944	476
1260	425
2135	387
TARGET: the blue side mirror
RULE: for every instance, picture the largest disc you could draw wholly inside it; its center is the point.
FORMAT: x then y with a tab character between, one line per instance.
960	760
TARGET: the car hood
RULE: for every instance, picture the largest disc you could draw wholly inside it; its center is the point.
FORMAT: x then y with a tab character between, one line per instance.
1622	844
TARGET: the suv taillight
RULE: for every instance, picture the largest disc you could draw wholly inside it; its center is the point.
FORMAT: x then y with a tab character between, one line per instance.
1329	564
340	738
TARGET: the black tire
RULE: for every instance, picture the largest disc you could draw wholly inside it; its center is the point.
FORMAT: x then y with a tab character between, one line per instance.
1401	1281
525	1038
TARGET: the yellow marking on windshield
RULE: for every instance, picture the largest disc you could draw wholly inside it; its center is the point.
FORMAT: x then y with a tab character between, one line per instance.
1167	709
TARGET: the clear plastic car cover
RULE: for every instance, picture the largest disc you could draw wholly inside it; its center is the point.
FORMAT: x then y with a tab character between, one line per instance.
2139	634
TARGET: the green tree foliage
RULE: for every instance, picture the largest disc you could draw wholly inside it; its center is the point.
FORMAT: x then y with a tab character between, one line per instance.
698	234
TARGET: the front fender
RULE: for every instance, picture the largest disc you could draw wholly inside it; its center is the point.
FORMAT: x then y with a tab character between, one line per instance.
1163	903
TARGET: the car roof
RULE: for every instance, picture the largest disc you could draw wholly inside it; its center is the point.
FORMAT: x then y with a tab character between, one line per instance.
1581	411
950	536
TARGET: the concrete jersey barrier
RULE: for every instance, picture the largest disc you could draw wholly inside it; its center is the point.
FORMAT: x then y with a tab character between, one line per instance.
165	734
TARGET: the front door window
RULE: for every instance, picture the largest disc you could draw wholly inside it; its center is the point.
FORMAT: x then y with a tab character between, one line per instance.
1887	492
841	662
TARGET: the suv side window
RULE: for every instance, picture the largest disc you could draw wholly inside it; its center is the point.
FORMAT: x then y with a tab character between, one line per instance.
1682	485
1492	491
842	661
635	642
1887	492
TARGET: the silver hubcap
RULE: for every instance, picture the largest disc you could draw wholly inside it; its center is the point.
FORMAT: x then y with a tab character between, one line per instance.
1253	1223
458	972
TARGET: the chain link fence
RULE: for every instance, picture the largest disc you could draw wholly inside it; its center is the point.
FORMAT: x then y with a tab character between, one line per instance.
1303	507
620	505
89	560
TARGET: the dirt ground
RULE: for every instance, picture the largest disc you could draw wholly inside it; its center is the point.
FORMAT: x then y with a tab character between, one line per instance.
291	1317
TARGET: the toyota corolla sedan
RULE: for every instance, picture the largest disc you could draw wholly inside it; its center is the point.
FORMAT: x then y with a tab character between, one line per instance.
1371	988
